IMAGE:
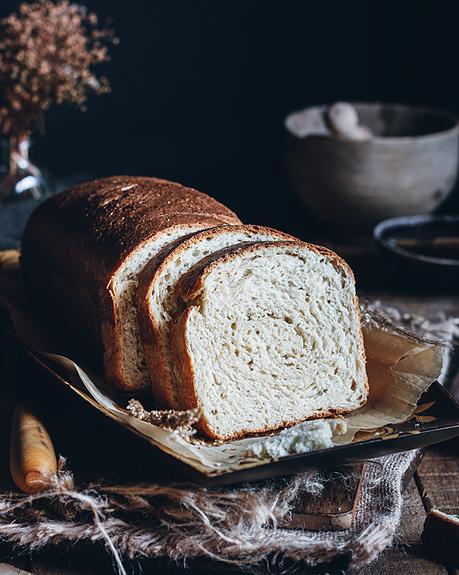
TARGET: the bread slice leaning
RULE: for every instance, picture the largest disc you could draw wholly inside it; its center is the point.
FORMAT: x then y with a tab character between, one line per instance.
157	301
124	356
269	335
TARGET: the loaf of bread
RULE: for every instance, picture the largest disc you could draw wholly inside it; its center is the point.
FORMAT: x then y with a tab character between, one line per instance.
269	335
253	327
157	301
84	248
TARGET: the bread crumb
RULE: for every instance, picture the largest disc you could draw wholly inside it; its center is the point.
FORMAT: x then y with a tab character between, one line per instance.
302	438
170	419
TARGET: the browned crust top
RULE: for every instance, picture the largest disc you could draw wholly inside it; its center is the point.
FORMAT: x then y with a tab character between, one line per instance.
112	216
91	228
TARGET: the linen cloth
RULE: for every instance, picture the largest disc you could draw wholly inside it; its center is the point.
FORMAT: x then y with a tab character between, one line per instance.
242	526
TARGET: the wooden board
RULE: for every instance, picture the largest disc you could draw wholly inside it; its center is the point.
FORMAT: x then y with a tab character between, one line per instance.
336	507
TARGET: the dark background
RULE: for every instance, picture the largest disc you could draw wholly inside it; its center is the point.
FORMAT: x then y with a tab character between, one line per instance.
200	88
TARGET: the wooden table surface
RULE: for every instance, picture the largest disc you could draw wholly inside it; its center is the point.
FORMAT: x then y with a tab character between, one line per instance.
436	483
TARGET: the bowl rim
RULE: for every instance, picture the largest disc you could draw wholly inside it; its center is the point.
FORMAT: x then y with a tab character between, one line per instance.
379	140
410	222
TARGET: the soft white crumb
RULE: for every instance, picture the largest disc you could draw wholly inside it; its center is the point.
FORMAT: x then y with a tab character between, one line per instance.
302	438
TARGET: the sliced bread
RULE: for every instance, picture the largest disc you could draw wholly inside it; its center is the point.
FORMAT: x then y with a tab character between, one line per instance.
157	301
82	252
125	355
269	335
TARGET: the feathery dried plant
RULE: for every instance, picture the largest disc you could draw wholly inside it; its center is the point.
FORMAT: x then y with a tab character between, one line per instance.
47	52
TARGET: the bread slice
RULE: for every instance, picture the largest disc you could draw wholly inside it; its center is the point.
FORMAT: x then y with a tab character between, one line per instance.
125	356
83	249
157	300
269	336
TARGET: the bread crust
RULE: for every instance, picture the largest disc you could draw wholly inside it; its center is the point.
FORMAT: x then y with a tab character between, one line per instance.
75	243
154	345
113	345
192	283
190	287
149	332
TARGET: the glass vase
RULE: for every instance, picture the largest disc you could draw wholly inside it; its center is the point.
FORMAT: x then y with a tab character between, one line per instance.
20	179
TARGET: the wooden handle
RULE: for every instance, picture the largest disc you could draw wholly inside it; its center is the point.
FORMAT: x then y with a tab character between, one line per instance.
9	260
32	457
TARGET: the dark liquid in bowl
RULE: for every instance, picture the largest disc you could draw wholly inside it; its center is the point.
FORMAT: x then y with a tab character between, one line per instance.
439	247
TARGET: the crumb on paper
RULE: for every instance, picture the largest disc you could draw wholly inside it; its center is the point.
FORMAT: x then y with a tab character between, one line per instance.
170	419
302	438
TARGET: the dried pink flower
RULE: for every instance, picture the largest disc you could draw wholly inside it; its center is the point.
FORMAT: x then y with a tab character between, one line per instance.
47	51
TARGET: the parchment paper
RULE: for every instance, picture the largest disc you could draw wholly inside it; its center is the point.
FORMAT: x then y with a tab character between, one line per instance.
400	369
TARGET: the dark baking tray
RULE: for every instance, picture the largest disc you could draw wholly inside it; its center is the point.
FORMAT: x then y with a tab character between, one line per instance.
106	447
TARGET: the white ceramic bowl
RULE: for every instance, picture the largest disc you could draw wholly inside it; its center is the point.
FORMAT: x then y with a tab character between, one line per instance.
408	167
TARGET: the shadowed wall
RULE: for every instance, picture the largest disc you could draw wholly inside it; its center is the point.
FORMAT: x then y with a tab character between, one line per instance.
201	87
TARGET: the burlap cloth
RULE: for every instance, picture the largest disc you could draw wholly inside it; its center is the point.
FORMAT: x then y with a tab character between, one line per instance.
242	526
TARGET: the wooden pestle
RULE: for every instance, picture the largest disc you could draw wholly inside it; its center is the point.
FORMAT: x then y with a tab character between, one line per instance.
33	460
342	121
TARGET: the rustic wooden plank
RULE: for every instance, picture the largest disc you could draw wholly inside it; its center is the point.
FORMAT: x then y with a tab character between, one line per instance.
438	478
336	508
9	366
8	569
427	305
60	566
413	516
403	561
407	557
22	563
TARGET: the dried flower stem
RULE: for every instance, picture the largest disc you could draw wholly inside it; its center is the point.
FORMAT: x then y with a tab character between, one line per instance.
47	52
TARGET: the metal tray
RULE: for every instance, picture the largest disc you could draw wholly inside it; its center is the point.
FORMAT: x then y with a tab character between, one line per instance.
436	419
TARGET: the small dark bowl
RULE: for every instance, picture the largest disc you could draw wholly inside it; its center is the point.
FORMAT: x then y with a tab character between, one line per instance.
425	247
